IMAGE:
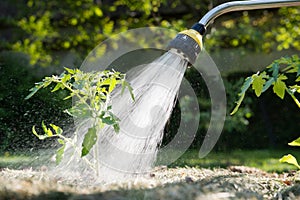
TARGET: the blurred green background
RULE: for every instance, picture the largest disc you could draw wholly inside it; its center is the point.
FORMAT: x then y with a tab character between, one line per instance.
38	38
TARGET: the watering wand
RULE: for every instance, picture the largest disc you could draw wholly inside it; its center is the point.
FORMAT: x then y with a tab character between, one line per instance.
188	43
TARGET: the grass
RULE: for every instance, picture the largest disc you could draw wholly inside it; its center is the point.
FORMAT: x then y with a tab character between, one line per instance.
22	160
267	160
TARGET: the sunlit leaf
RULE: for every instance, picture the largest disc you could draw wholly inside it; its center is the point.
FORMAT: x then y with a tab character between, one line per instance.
258	83
70	71
89	141
289	159
280	86
57	87
41	137
57	129
295	142
98	12
113	83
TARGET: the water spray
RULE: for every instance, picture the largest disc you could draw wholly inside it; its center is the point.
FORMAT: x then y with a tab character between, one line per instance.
188	43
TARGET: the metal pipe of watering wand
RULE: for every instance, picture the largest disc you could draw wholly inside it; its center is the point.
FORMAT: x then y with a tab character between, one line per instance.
242	6
188	43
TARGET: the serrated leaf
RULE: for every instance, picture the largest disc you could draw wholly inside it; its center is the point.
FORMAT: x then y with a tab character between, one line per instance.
130	89
89	141
268	84
246	85
60	154
295	142
248	81
65	78
289	159
112	85
258	83
279	87
298	79
116	128
57	87
275	70
57	129
70	71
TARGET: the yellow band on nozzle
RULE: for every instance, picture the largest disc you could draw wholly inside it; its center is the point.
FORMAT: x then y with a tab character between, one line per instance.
195	35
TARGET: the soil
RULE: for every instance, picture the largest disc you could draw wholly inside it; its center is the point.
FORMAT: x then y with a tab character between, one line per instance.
235	182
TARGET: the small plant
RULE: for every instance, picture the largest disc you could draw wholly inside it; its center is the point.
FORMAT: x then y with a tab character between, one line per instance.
92	91
290	158
276	76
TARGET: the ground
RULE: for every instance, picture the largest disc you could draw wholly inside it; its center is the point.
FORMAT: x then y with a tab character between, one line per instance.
235	182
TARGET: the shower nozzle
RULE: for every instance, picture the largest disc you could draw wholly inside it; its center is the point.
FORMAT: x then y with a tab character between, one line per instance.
187	43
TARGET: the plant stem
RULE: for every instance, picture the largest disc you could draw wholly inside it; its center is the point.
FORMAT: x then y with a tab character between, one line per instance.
77	151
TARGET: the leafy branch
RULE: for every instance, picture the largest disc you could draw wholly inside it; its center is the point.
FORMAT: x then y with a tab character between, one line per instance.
92	92
276	76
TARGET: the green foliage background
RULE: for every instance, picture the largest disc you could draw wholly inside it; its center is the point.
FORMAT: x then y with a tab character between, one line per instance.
38	37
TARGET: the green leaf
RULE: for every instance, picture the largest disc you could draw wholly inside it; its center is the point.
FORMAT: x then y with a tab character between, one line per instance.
246	85
89	141
268	84
298	72
60	153
128	86
275	70
248	81
289	159
294	98
47	131
57	87
238	103
41	137
258	83
70	71
280	86
66	78
108	120
295	142
33	91
34	132
116	128
57	129
112	85
60	141
98	12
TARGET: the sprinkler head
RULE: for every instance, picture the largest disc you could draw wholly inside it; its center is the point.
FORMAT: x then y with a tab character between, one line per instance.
187	44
